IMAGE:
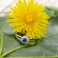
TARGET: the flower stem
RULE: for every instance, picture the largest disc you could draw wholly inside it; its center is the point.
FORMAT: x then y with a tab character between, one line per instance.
2	38
13	50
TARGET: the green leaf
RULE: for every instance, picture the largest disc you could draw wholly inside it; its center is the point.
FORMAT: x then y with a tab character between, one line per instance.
49	12
48	46
34	57
52	9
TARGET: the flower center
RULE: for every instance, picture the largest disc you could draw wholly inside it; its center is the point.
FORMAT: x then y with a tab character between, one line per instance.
29	19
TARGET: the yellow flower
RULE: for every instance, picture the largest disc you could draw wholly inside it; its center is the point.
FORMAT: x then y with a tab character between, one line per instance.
29	18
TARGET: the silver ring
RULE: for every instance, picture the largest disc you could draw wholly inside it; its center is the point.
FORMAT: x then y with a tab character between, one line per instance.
23	39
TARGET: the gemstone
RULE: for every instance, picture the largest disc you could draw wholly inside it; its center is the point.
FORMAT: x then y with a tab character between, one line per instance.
24	40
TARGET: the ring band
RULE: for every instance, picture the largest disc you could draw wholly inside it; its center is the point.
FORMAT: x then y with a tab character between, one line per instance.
22	39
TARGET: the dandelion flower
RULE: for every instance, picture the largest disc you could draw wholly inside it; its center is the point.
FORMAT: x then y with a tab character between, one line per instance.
29	18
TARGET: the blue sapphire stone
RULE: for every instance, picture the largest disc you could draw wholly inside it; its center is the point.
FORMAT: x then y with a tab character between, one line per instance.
24	40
